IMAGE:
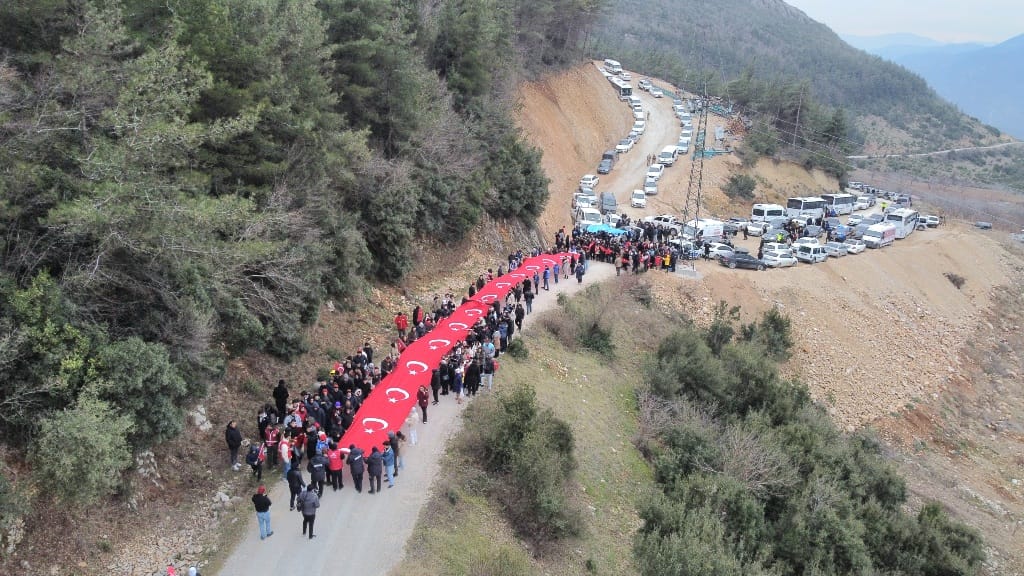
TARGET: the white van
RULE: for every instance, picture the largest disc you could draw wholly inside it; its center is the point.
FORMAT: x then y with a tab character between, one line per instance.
640	126
810	253
586	216
879	235
634	100
638	114
766	212
638	199
637	107
668	155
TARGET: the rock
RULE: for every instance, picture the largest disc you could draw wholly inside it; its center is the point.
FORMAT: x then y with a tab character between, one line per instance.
199	419
221	497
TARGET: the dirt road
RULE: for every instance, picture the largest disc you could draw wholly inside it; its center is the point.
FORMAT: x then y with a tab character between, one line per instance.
361	533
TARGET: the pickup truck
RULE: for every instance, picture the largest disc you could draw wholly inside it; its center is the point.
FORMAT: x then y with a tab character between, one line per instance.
666	222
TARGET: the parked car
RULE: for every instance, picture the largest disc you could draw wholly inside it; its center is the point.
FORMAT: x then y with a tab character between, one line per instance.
779	258
656	92
634	135
717	249
775	246
835	249
811	253
873	218
624	145
740	260
604	167
862	203
854	246
626	76
813	231
589	181
651	186
854	220
806	241
983	225
655	171
638	199
586	197
730	228
644	84
931	221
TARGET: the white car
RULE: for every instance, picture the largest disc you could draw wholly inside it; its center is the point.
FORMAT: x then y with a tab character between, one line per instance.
624	145
655	171
626	76
638	199
683	146
717	249
651	186
779	258
836	249
656	92
775	246
862	203
645	84
612	219
806	241
589	181
931	221
640	126
855	246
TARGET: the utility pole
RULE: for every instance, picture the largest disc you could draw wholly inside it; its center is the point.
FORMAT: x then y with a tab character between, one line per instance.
799	106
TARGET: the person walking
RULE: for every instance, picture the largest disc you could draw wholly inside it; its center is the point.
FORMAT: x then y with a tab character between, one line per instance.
255	458
308	503
528	296
356	465
233	437
520	314
262	503
473	377
284	450
423	399
335	463
396	439
401	324
318	472
547	278
375	468
579	273
295	486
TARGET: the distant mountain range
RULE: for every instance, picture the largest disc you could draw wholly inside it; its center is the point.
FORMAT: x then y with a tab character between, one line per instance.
985	81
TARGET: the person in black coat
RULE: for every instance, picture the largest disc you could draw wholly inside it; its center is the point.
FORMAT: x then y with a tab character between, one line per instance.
435	383
357	465
295	485
318	472
375	468
281	396
472	379
234	441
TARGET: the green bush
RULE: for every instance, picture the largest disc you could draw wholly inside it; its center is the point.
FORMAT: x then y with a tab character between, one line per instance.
597	338
80	453
518	350
740	187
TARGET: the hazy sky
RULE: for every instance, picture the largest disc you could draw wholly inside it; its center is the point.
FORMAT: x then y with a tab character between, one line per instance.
944	20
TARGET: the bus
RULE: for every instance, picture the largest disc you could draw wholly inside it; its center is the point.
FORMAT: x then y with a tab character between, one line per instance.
840	203
612	66
803	208
905	221
624	89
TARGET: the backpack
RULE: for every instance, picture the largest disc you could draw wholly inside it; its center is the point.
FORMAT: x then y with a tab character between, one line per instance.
253	457
489	364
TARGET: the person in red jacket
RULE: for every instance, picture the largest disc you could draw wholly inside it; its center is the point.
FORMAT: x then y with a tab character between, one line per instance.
335	465
273	437
423	397
401	324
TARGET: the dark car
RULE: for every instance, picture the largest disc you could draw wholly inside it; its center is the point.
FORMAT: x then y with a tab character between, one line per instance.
604	167
740	260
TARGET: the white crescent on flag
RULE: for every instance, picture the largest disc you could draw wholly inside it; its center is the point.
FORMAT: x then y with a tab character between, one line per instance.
394	400
487	298
432	346
473	311
549	261
367	421
518	275
503	284
456	326
412	363
533	267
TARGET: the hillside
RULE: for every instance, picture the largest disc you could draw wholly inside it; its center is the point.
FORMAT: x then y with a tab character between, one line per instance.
883	340
677	39
984	82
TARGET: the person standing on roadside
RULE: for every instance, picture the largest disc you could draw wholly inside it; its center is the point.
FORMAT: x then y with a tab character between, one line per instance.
273	438
357	465
579	273
262	504
335	463
401	324
318	472
284	450
396	439
547	277
423	399
375	468
281	397
234	441
389	463
308	503
255	458
528	296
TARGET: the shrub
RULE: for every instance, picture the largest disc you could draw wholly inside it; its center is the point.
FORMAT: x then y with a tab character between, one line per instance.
740	187
80	453
956	279
598	339
518	350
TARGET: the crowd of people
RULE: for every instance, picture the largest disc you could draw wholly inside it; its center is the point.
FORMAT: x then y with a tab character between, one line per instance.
299	433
